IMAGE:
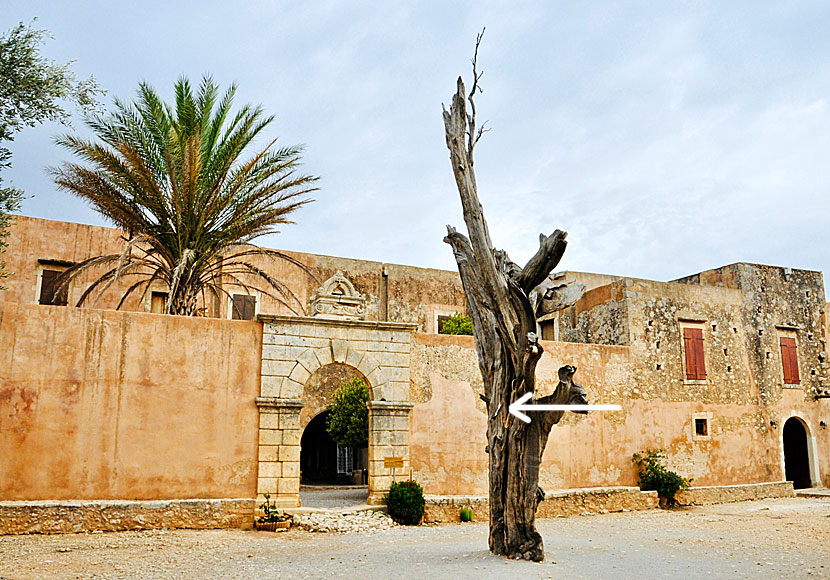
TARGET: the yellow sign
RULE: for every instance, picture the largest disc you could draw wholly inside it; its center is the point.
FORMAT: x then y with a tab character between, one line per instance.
393	462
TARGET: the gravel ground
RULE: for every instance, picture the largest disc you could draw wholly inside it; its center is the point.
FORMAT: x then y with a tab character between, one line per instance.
783	538
320	496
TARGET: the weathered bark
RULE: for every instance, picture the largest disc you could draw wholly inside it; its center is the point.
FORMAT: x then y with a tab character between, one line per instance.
504	324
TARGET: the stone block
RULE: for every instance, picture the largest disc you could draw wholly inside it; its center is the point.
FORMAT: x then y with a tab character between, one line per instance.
269	421
269	469
270	437
270	386
375	377
299	373
291	469
291	389
269	453
392	359
339	350
397	438
277	368
397	374
388	348
382	482
360	334
289	453
309	361
380	422
323	356
288	485
367	365
353	358
266	485
378	452
282	352
290	421
291	437
398	423
396	391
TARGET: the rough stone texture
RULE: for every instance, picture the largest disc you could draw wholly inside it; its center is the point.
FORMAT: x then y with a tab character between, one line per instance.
733	493
48	517
572	502
357	522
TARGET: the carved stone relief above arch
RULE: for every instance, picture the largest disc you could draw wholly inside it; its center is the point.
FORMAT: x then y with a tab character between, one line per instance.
337	298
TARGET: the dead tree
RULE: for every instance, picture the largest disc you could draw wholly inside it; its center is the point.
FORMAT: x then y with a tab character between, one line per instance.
504	301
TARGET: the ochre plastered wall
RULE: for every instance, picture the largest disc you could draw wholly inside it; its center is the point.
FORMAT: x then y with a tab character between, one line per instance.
114	405
412	294
448	423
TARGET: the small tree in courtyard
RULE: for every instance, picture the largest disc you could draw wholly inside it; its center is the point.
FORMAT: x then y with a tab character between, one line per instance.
348	421
457	324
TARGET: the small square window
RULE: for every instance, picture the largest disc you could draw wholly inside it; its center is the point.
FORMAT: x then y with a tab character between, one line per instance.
702	426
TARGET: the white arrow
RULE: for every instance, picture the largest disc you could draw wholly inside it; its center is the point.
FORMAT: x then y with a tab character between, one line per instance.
518	406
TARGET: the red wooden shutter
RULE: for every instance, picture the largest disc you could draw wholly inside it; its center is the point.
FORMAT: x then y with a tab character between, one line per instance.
695	361
789	360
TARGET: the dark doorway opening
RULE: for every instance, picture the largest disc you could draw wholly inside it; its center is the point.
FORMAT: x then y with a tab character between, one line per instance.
324	462
796	458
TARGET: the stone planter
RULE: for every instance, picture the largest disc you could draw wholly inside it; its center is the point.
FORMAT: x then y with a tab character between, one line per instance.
272	526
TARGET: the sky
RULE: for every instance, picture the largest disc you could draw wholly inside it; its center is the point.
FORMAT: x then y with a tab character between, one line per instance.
666	138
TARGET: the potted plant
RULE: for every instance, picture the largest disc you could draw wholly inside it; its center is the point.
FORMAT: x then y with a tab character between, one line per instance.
271	520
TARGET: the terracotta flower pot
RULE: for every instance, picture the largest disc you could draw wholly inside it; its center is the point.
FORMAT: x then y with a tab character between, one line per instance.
272	526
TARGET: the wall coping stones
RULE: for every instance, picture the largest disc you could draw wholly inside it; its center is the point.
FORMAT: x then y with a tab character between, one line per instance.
390	405
316	321
277	403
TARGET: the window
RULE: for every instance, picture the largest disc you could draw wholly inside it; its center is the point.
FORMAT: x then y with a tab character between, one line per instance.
345	460
441	320
50	289
693	349
243	307
702	426
158	302
789	360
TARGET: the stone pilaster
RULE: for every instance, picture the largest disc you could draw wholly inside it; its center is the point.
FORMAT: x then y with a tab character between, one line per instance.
388	437
279	450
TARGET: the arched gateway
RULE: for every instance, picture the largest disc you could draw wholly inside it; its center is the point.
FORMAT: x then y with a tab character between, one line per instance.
796	453
294	348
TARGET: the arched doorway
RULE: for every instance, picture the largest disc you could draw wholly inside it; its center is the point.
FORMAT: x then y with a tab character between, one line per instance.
796	455
318	453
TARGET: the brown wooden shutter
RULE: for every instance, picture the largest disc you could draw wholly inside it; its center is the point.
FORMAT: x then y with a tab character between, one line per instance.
48	285
789	360
249	308
244	307
695	360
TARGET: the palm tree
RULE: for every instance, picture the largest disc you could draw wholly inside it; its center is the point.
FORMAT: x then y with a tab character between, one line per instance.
175	180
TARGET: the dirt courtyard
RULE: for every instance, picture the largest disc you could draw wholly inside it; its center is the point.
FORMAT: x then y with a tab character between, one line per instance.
781	538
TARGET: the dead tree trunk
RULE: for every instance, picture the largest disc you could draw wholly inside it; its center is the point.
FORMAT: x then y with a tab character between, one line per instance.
503	301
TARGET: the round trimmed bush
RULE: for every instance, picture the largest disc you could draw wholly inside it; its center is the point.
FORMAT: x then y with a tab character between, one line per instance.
405	503
466	515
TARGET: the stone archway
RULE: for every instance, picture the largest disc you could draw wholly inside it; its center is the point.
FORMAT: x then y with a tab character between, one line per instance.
294	349
795	439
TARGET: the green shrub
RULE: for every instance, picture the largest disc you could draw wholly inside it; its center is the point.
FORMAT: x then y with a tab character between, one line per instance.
348	422
466	515
405	502
654	476
457	324
270	513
